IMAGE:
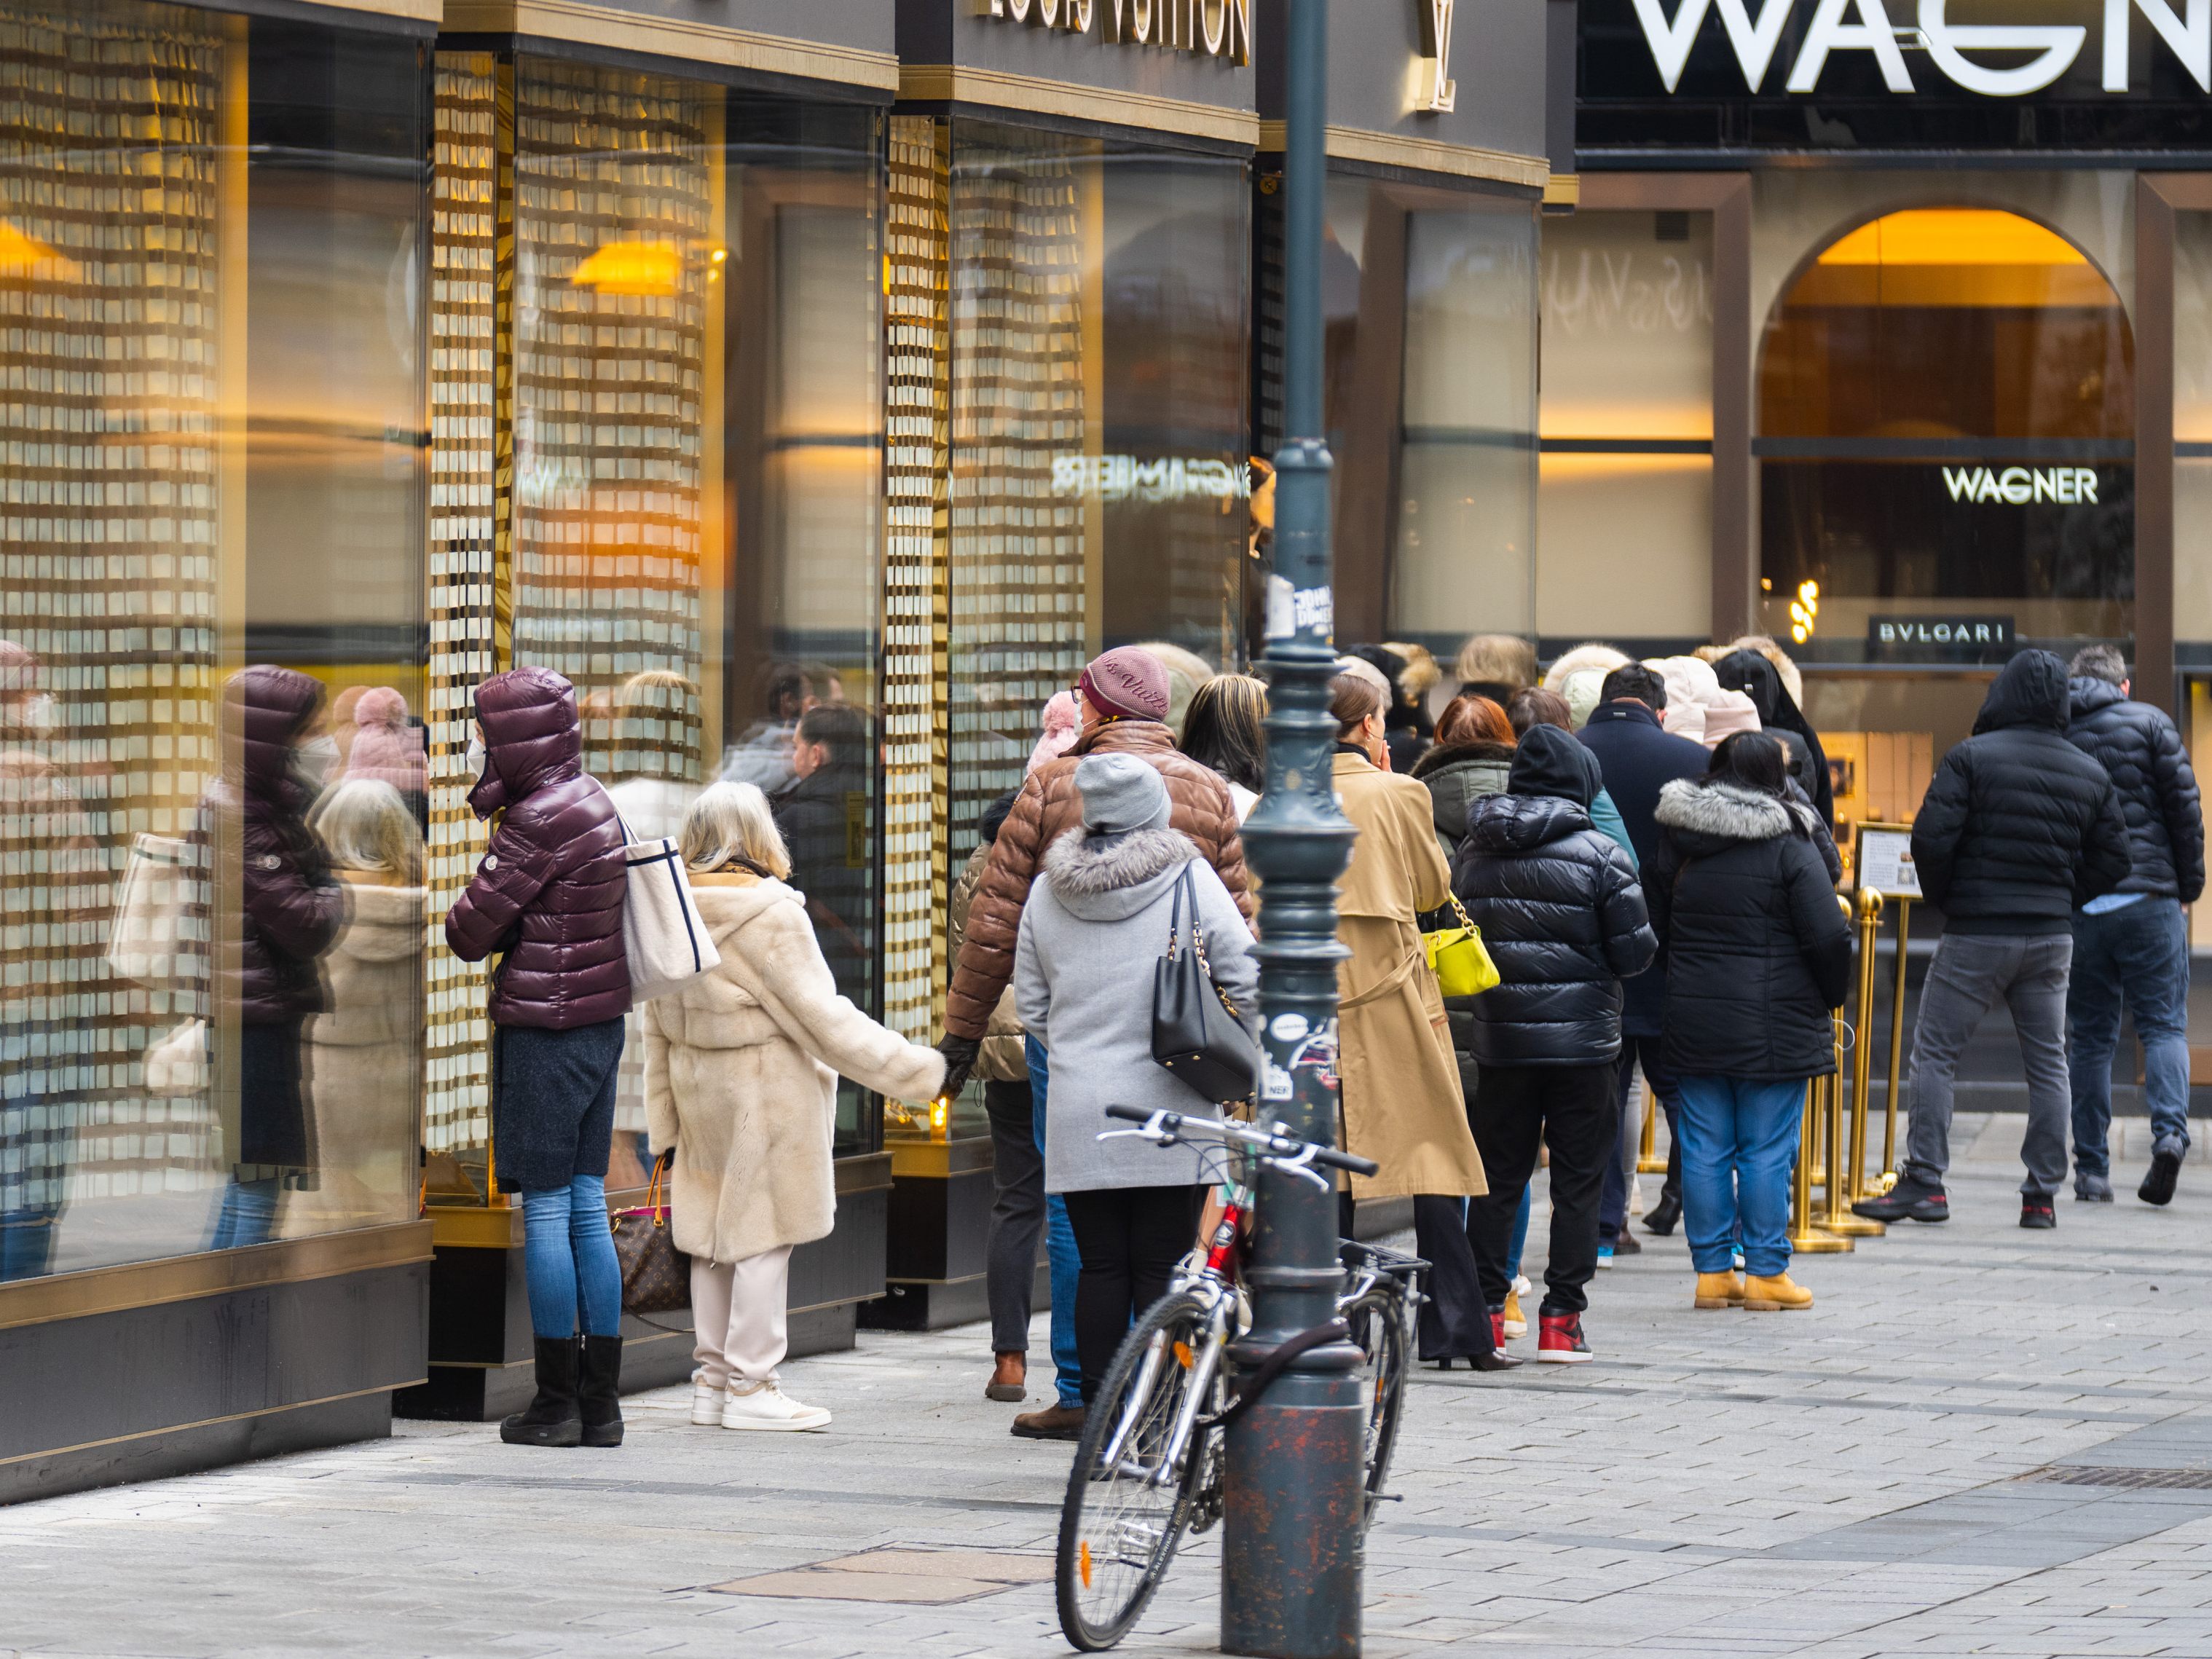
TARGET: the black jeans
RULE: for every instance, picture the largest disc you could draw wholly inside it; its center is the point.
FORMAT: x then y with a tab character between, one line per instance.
1017	1213
1130	1239
1573	1110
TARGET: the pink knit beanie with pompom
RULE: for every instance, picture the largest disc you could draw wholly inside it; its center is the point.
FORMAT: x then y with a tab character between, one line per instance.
386	749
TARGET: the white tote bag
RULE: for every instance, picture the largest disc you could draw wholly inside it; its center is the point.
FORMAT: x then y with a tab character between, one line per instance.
663	934
147	938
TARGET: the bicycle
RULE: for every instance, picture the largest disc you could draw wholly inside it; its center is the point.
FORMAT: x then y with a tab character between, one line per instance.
1149	1466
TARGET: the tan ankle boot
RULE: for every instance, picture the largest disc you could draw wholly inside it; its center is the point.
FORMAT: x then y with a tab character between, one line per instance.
1009	1378
1719	1291
1776	1294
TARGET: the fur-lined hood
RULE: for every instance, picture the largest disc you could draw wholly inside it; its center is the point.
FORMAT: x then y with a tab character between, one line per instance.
1111	878
1715	813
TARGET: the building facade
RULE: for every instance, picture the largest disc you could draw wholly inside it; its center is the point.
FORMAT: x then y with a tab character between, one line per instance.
881	360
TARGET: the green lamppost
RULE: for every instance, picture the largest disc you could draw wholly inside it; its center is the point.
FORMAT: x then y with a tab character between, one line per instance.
1294	1531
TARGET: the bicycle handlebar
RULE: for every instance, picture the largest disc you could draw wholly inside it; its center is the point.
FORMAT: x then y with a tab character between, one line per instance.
1269	1143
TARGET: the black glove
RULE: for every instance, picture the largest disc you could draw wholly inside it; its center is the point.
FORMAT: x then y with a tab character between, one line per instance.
960	1054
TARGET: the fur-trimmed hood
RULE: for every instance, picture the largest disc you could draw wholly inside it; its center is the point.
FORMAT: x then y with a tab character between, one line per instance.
1705	816
1110	877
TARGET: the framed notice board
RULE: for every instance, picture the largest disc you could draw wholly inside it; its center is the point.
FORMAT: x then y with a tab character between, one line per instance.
1882	858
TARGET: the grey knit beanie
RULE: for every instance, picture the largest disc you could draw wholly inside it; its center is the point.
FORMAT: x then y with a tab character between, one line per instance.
1120	793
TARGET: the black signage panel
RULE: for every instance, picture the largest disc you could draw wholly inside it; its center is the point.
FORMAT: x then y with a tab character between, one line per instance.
1672	75
1939	639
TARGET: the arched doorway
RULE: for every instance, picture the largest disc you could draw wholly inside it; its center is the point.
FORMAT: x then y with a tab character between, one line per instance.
1945	454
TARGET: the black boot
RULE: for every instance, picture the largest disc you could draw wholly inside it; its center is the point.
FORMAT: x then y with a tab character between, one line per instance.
552	1418
1660	1218
600	1394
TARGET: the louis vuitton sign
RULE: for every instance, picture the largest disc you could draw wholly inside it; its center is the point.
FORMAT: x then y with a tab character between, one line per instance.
1209	28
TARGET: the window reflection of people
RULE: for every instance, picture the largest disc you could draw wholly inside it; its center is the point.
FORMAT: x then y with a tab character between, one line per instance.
378	744
651	779
364	1050
823	816
40	819
266	978
763	757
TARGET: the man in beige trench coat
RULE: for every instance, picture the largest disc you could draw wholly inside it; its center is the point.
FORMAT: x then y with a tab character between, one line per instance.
1402	1101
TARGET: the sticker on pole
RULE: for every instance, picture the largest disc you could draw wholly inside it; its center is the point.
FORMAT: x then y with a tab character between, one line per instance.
1277	1085
1288	1027
1282	608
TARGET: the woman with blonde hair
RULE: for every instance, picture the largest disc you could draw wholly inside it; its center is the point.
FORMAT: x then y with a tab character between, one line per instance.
741	1068
364	1049
1496	665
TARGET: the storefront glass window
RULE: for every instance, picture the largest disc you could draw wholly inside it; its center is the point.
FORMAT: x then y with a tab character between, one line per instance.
211	686
1627	425
1429	299
1947	427
2192	429
698	437
1098	428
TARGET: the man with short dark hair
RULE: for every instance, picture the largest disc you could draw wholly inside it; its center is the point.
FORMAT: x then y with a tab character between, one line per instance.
822	814
2132	944
1638	758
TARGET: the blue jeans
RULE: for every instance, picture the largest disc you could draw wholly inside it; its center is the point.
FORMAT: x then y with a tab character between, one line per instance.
1519	1235
248	1215
1060	1249
569	1259
1739	1138
2139	952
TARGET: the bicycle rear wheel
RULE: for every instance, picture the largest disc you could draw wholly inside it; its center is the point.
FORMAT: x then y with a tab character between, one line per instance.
1377	1319
1120	1524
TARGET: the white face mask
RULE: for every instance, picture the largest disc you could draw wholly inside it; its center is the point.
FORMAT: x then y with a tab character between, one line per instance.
314	758
479	758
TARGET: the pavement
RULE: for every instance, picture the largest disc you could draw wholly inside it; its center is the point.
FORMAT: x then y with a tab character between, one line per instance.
1979	1441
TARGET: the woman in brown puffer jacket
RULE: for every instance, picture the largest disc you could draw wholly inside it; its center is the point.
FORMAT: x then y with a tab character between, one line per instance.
549	894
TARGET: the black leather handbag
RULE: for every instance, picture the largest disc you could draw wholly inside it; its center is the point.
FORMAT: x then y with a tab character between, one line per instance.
1195	1034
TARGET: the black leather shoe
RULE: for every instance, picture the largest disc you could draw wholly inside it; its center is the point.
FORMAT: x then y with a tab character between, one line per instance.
1660	1218
2165	1170
1496	1360
552	1418
2037	1215
1623	1243
598	1391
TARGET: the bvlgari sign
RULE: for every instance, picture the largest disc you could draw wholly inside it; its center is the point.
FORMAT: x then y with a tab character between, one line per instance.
1210	29
1831	31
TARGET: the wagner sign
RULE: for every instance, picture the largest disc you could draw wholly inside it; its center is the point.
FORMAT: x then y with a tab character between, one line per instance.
2029	55
1212	28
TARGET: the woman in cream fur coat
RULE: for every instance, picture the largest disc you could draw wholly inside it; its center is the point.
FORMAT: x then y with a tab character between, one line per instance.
741	1068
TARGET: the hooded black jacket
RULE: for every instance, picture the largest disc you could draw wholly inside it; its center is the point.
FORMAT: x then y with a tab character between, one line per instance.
1749	672
2140	751
1756	950
2020	828
1560	910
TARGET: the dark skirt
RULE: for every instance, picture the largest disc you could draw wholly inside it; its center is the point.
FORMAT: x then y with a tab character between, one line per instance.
275	1135
553	1103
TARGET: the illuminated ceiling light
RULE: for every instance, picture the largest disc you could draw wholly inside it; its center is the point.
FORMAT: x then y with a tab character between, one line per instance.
647	268
26	256
1804	611
1952	236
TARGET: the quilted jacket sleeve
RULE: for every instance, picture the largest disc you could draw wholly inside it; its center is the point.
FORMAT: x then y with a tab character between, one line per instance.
1623	922
2106	857
1822	933
513	870
1939	823
986	962
2176	783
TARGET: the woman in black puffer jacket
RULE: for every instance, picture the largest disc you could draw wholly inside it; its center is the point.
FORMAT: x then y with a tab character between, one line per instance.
1757	953
1562	914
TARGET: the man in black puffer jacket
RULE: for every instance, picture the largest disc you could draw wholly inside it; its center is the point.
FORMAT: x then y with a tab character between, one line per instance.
2134	942
2019	830
1563	915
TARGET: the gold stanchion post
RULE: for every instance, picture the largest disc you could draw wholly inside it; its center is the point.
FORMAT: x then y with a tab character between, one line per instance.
1896	1050
1648	1160
1842	1195
1805	1239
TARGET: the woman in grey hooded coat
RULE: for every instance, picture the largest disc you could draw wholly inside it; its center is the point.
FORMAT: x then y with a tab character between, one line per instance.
1083	985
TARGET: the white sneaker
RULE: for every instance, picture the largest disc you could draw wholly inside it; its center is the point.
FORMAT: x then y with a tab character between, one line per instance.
707	1402
766	1406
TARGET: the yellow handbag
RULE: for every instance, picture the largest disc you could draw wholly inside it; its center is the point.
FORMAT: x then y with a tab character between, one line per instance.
1461	966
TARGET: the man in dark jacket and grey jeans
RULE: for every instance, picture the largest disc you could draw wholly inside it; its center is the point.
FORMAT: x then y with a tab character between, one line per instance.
2019	830
1562	915
2133	942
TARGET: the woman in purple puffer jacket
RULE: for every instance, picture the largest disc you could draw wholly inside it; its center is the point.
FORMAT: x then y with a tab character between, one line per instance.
549	894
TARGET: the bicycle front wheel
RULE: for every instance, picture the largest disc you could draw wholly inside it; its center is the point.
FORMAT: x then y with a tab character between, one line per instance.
1129	1494
1377	1320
